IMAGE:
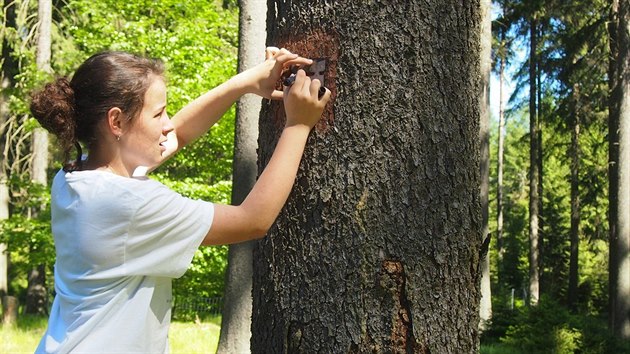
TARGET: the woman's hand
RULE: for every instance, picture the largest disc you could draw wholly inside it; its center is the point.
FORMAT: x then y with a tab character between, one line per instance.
302	102
264	77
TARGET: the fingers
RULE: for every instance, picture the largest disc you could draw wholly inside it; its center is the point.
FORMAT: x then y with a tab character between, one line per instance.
285	57
270	52
306	87
277	95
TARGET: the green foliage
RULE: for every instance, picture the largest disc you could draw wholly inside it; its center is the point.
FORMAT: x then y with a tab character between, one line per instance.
196	39
572	59
512	271
27	232
544	329
498	348
549	328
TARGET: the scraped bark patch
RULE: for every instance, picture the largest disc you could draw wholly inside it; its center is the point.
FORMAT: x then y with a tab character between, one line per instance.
393	279
314	45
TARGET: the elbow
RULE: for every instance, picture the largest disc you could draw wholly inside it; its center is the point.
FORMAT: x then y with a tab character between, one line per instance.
261	227
260	230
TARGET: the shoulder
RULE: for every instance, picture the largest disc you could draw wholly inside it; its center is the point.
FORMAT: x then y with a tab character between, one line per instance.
105	189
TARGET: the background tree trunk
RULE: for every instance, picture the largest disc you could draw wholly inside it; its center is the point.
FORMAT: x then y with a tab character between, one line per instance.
10	306
4	195
619	133
7	70
500	147
485	308
36	294
4	257
237	306
534	172
575	202
377	249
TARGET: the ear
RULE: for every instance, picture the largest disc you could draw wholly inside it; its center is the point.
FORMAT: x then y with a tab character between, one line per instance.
115	122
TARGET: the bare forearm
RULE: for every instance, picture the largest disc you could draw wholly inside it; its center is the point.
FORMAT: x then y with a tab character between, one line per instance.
198	116
275	183
253	218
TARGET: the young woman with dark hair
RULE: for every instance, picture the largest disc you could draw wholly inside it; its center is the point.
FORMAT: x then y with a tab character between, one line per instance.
121	237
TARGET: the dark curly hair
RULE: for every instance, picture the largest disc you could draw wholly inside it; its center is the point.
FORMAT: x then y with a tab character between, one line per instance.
71	110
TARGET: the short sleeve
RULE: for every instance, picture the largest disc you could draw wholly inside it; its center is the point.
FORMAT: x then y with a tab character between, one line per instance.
165	232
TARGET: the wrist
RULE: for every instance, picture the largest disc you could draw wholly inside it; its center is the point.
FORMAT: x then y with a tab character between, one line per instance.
297	128
242	83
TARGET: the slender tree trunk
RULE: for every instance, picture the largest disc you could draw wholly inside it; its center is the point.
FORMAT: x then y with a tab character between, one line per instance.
575	201
500	151
36	294
540	161
7	69
613	159
377	249
485	308
4	257
237	306
534	279
4	192
619	133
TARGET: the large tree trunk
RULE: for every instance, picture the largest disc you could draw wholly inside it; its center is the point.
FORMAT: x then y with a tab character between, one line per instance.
485	308
237	304
619	138
575	201
534	172
377	249
36	294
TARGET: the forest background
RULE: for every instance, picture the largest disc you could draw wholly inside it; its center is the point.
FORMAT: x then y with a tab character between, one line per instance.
567	43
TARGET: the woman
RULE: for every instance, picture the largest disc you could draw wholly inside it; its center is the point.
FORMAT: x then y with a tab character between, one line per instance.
120	237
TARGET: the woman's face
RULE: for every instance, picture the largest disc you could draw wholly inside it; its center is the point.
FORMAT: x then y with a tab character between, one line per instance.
143	142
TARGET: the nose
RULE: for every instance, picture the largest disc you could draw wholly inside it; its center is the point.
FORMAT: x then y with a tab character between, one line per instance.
167	125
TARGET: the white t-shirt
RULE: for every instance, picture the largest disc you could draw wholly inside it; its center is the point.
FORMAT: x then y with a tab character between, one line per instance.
119	242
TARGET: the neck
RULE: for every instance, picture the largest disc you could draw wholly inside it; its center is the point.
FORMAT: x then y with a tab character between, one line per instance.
97	161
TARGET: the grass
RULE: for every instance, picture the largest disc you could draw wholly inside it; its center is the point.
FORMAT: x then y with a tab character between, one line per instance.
184	337
498	349
22	337
195	337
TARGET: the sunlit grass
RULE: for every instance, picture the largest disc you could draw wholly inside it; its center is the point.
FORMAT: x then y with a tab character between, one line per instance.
184	337
195	337
22	337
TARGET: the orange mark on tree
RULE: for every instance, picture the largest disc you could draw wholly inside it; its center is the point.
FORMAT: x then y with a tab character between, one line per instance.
314	45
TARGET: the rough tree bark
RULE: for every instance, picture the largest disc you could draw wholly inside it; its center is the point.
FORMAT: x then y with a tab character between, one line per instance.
377	249
237	304
485	308
619	171
36	294
534	172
